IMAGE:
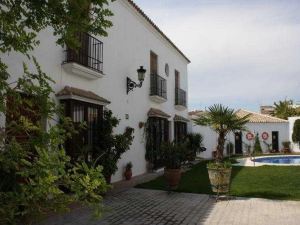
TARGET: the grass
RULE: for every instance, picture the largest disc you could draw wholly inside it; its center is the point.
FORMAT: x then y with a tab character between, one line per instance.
273	182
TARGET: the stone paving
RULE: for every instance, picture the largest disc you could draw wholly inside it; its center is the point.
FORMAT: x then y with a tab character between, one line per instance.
142	207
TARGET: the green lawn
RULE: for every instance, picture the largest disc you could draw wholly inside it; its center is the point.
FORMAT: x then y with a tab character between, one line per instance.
274	182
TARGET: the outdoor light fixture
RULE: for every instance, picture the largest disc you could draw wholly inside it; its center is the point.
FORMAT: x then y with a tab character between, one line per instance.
141	76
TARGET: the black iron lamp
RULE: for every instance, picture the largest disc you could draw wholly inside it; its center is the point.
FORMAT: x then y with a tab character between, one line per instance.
141	76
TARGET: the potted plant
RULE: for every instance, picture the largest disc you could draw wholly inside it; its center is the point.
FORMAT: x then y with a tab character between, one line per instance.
222	120
172	157
128	171
286	146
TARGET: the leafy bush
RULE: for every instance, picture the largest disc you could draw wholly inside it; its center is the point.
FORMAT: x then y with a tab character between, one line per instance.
194	145
286	144
35	170
128	166
296	131
173	154
257	146
219	165
111	146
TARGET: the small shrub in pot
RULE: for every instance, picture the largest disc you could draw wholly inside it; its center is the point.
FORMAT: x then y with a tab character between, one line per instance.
173	154
128	171
222	120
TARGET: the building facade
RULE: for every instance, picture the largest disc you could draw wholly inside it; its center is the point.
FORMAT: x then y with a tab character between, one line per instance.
96	77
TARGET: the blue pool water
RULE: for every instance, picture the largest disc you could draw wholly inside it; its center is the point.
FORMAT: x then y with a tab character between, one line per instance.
279	160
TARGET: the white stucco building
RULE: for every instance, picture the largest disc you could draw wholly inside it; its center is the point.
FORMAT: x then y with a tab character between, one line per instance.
272	131
96	77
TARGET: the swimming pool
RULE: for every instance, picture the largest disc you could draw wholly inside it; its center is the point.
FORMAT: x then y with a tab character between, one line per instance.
285	160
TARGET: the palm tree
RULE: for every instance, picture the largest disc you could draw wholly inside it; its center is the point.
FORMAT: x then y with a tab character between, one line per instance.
222	120
283	109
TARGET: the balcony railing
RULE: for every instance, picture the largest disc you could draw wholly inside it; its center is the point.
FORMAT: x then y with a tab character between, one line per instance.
180	97
89	54
158	86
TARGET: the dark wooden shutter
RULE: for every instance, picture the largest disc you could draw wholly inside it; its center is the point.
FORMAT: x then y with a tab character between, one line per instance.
177	80
153	63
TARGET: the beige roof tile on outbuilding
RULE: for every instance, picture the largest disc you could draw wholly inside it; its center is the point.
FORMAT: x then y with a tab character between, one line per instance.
259	118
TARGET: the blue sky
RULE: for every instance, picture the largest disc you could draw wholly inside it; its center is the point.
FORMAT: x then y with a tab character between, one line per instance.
244	53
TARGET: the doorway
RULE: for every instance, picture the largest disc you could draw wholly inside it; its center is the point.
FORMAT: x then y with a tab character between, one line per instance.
275	141
238	138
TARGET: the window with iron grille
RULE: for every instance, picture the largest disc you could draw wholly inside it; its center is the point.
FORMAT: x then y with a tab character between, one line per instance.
88	138
158	86
180	97
89	54
158	132
180	131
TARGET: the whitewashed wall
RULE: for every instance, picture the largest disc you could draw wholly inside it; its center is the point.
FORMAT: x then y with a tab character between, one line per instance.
295	146
126	48
210	137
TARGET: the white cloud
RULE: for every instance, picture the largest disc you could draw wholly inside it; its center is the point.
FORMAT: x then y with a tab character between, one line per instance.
242	55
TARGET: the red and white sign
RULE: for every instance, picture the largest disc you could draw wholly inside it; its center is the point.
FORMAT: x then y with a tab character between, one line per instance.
265	136
249	136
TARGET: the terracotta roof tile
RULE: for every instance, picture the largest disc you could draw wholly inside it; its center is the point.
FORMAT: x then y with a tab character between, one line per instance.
72	91
196	113
254	117
259	118
158	113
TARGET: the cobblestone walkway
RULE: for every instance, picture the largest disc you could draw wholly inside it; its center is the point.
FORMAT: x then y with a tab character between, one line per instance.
142	207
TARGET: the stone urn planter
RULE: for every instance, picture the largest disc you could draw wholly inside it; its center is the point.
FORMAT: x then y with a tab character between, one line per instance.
172	177
219	179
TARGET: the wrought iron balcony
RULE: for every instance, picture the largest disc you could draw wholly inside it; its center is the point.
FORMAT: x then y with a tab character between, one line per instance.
158	86
180	97
89	54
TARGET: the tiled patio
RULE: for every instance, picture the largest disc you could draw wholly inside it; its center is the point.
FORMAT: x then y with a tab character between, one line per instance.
141	207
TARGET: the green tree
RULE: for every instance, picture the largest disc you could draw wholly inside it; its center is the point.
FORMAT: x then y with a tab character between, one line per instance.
222	120
21	21
257	146
35	171
283	109
111	146
296	131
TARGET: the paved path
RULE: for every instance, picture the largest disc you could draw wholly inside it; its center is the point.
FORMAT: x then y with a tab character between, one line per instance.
142	207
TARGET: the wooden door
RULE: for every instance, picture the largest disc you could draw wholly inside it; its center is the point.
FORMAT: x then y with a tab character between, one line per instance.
275	140
238	143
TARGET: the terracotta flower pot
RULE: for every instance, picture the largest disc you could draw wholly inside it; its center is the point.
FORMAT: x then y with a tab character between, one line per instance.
219	179
128	174
172	177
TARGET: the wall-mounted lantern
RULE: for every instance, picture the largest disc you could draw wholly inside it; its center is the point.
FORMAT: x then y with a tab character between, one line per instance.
141	76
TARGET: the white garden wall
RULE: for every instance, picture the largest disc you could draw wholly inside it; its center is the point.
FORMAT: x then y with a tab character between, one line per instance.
210	137
294	146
